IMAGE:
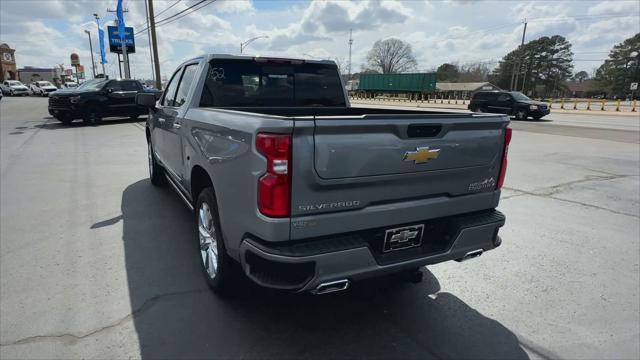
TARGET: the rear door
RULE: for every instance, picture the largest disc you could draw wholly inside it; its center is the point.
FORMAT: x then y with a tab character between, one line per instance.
129	89
172	129
116	100
165	111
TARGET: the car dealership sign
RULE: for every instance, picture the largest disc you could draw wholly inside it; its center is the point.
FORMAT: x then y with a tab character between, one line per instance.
115	42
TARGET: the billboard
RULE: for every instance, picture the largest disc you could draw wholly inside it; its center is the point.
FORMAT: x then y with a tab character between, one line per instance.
114	40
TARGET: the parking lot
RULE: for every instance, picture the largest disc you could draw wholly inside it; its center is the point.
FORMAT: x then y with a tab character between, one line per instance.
97	263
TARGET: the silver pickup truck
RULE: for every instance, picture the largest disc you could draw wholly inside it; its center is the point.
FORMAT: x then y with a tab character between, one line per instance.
300	191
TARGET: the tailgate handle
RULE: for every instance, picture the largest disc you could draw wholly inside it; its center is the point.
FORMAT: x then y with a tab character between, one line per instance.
422	131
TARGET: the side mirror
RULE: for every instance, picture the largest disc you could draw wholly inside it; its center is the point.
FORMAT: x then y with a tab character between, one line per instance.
146	100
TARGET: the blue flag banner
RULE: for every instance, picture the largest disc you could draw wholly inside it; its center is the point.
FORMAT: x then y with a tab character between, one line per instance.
120	16
103	54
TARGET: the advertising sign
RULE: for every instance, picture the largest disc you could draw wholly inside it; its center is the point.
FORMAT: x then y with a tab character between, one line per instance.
634	86
115	42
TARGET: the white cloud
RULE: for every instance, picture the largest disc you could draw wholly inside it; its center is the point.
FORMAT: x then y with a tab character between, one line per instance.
235	6
613	7
453	31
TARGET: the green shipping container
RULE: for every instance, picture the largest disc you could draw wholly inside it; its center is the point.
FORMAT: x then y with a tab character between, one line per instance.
418	82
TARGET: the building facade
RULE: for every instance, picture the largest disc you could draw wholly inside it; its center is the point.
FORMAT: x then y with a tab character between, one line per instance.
7	63
29	74
463	90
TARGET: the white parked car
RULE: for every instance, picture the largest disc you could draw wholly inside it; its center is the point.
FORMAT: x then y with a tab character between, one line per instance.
42	88
70	84
14	87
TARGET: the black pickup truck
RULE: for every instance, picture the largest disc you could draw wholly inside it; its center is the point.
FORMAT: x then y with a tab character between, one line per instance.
97	99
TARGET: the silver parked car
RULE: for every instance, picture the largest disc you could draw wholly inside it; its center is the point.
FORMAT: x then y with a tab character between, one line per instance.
42	88
14	87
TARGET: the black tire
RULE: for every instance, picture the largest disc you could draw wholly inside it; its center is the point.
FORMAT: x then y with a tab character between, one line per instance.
65	119
221	282
92	116
156	172
520	114
11	93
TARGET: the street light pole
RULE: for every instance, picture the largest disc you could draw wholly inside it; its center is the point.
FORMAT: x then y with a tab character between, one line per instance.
243	45
98	23
93	64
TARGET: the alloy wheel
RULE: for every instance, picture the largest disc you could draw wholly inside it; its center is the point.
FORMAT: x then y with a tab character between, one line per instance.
150	156
208	240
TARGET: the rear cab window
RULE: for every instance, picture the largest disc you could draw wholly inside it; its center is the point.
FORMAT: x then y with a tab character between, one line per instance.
130	85
251	83
185	84
114	86
170	93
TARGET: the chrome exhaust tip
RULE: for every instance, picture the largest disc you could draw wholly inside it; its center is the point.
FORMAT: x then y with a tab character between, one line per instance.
330	287
470	255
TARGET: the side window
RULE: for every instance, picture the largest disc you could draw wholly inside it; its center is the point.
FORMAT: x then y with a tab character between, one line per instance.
504	97
130	86
170	92
114	86
185	84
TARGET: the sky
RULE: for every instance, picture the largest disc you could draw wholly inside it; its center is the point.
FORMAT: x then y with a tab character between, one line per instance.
45	32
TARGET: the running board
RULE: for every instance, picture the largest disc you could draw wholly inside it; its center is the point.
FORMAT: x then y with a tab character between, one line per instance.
177	189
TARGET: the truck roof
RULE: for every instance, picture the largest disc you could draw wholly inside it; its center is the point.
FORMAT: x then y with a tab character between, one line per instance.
209	57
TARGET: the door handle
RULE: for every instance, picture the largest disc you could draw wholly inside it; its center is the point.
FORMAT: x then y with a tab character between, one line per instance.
161	120
177	125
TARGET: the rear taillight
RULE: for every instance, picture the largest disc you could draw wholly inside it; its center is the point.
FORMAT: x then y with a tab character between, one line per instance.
503	168
274	187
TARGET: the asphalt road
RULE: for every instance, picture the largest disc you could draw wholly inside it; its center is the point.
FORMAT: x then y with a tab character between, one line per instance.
97	263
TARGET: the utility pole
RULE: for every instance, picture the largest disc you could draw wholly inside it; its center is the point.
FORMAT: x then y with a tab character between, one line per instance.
350	44
517	64
154	43
123	46
146	12
98	23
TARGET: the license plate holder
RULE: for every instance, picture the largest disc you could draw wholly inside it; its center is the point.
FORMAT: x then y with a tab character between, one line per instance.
401	238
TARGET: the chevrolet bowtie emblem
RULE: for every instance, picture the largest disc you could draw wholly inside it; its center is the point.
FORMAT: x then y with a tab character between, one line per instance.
404	236
421	155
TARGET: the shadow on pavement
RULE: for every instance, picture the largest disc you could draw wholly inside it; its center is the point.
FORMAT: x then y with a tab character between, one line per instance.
176	316
56	125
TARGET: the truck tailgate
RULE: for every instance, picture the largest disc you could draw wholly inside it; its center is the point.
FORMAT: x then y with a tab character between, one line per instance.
392	163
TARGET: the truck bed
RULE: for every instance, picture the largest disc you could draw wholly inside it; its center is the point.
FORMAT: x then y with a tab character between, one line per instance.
336	111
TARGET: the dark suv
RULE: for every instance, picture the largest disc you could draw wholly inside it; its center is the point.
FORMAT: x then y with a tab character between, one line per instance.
98	98
511	103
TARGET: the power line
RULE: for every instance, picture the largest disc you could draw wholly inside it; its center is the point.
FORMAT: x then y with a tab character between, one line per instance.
179	14
160	13
170	6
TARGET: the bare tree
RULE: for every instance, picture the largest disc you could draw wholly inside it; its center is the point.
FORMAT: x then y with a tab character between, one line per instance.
474	72
391	56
